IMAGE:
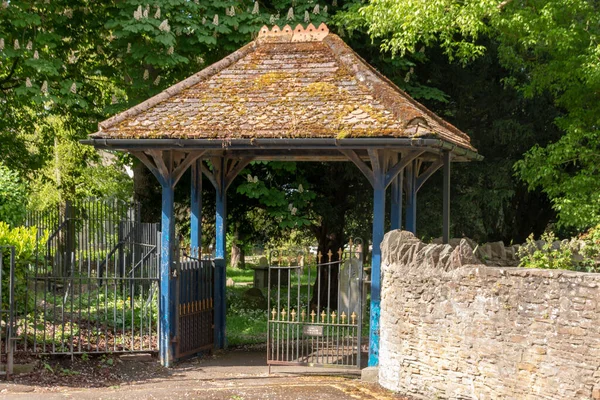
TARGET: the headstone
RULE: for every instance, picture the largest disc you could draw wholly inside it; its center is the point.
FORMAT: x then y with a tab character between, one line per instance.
350	286
253	298
261	273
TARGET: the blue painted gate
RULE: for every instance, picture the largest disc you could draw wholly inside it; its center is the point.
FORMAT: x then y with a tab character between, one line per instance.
194	318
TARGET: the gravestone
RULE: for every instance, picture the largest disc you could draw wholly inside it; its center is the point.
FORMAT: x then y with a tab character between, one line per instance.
261	273
350	286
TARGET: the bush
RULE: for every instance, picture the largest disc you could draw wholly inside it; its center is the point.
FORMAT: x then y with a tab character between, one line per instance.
13	197
577	254
24	240
591	250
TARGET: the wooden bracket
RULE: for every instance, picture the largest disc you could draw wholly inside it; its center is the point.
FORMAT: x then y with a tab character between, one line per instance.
167	166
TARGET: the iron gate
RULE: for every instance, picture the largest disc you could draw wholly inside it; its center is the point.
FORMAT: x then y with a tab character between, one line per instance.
318	325
93	287
194	301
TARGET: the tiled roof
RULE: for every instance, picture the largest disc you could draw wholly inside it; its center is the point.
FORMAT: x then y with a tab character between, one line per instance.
301	83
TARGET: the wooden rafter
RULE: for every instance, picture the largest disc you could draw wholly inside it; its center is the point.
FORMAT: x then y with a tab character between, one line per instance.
362	166
422	178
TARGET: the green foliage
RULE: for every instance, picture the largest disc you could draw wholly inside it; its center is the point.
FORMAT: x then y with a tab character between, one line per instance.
13	197
76	171
549	47
548	257
24	240
285	202
578	254
591	250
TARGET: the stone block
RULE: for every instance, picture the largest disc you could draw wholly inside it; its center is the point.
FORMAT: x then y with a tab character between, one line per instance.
370	374
497	250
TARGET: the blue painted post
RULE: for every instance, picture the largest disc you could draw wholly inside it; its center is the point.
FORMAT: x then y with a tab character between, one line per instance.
167	283
396	212
220	258
196	209
411	199
378	231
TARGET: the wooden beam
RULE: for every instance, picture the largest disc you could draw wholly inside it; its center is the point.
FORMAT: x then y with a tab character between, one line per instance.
364	168
377	158
209	174
399	166
140	155
235	169
159	161
184	165
422	178
217	164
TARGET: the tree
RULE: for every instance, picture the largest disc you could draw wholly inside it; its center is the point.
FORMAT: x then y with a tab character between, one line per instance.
13	197
549	46
85	61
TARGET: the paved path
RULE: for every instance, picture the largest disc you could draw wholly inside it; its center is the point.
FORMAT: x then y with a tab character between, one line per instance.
234	375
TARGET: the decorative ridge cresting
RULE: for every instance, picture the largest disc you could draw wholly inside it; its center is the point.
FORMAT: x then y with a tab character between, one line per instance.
298	34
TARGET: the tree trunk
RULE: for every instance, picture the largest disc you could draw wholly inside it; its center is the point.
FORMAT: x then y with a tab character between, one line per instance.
236	253
325	289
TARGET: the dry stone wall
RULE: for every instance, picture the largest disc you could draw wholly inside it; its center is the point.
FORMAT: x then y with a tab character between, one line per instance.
452	328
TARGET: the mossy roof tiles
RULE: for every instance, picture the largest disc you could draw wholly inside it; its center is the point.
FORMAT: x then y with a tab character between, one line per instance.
305	84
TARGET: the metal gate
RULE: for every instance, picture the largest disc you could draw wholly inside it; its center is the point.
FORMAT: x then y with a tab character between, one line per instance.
194	300
93	286
316	311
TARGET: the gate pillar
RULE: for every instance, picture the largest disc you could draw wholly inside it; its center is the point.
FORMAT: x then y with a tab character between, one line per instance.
224	171
168	167
167	283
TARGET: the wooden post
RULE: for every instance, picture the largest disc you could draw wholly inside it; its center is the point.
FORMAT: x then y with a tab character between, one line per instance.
196	209
220	252
378	232
446	200
168	172
396	206
411	198
167	283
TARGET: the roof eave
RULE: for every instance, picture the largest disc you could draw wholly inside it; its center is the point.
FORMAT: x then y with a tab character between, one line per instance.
280	144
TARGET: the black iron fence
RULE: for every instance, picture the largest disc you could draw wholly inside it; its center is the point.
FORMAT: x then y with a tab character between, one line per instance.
94	287
7	276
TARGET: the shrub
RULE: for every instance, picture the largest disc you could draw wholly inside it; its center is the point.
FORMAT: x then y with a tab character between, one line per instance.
13	197
577	254
24	240
590	250
548	257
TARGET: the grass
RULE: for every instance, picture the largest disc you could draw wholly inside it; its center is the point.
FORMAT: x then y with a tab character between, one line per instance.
249	326
244	326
